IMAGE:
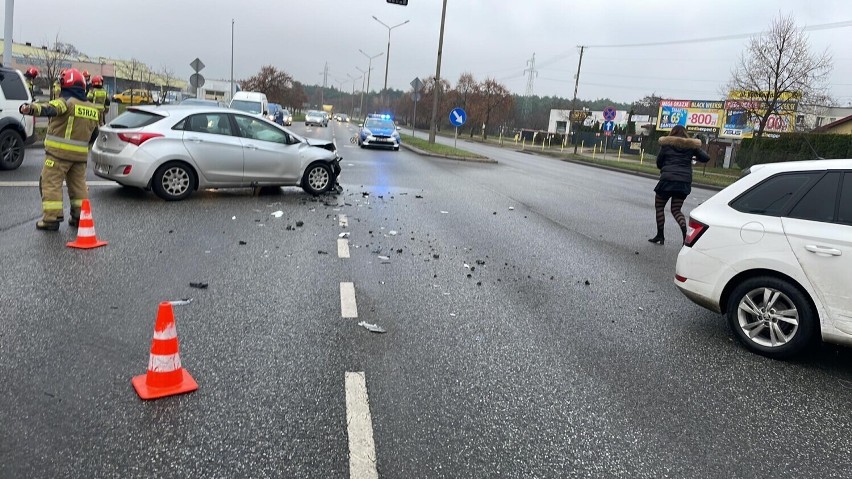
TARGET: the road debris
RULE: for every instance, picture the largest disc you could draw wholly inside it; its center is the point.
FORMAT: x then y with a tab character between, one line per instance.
322	252
445	212
511	208
384	259
199	285
243	243
373	328
299	224
345	234
181	302
392	233
277	214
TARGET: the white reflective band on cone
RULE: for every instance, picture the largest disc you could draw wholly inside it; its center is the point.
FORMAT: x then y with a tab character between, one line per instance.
86	232
164	363
85	215
169	333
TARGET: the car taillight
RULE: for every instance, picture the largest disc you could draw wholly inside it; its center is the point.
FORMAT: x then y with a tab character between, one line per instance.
695	230
137	138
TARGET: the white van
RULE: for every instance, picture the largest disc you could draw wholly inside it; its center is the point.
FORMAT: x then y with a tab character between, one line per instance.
251	102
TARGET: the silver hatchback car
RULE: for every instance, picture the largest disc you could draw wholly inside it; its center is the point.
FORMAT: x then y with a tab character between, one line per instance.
175	150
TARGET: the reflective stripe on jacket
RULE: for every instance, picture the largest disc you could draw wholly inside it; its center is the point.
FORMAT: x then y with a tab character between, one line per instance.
68	132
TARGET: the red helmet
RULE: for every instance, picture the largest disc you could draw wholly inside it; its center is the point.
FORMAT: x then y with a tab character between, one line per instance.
98	81
71	77
86	74
31	72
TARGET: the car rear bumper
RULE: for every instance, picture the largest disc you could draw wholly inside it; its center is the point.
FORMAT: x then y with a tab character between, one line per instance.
112	166
701	278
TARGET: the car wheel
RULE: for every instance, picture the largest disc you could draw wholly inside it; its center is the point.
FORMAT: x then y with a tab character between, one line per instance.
396	148
116	100
771	317
318	179
174	181
11	150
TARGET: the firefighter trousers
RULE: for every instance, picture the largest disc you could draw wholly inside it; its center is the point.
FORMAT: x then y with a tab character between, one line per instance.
54	172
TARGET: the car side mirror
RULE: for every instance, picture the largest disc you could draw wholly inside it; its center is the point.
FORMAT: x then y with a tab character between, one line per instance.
265	112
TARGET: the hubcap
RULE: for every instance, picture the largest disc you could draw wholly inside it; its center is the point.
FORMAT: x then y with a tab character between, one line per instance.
10	150
768	317
318	178
175	181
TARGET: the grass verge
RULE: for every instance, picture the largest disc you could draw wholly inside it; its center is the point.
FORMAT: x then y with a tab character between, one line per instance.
698	176
437	149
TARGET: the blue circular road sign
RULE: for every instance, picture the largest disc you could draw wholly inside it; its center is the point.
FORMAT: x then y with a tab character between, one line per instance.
609	113
458	117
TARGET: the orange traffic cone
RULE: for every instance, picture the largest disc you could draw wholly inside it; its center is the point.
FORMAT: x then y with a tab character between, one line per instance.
165	375
86	237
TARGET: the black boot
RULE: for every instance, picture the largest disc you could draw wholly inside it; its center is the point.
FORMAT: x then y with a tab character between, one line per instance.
659	239
47	225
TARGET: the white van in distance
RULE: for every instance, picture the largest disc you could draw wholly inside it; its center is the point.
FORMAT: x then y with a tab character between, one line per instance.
251	102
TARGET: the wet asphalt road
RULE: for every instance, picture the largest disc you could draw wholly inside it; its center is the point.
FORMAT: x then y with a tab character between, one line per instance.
511	367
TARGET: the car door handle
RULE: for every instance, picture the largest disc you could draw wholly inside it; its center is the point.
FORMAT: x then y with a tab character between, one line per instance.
195	139
251	147
823	250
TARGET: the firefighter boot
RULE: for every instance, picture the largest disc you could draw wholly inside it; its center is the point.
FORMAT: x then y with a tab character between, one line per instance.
47	225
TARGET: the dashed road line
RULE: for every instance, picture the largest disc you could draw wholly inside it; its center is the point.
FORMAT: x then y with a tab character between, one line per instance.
342	248
348	306
344	221
359	426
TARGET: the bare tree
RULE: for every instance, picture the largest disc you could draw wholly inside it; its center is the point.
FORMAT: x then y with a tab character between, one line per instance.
133	70
466	96
167	81
496	105
52	59
272	81
777	71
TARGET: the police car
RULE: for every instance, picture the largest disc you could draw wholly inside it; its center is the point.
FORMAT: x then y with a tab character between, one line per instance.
379	131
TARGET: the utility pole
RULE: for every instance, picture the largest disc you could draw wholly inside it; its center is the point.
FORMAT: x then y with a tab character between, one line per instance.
7	35
324	74
369	71
436	91
574	101
232	60
530	85
363	82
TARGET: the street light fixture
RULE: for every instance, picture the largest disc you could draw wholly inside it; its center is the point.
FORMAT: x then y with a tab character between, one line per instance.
387	58
369	71
354	79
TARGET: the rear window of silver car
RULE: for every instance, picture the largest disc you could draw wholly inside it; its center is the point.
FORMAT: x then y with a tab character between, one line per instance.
134	119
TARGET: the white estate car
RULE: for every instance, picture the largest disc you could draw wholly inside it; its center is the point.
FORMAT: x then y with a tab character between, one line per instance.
773	252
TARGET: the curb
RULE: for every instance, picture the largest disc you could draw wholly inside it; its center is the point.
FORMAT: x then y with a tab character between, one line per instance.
449	157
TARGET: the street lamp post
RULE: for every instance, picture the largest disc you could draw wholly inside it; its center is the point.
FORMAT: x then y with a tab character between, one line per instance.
354	79
369	71
363	81
436	91
387	57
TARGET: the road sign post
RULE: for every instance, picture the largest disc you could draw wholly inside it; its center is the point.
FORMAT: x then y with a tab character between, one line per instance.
608	127
416	85
196	80
457	118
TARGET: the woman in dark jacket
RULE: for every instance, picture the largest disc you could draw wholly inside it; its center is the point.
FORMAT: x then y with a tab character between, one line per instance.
675	163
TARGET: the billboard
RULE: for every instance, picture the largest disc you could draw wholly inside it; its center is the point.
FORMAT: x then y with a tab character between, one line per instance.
743	111
697	116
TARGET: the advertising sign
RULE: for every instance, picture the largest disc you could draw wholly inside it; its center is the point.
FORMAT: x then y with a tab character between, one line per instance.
743	111
699	116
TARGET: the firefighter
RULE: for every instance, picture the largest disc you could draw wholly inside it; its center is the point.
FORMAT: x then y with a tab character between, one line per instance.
66	146
56	87
31	74
87	77
99	97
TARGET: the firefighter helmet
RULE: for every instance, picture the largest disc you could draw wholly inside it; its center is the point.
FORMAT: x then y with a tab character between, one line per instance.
98	81
31	72
70	78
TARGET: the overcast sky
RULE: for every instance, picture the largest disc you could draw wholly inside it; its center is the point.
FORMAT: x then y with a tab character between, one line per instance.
489	38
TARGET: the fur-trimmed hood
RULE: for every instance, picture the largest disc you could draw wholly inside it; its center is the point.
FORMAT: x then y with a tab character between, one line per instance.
679	142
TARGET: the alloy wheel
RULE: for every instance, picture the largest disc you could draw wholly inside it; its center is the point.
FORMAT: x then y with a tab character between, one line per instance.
175	181
318	178
768	317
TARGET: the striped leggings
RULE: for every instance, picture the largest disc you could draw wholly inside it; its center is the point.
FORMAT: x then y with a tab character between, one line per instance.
660	206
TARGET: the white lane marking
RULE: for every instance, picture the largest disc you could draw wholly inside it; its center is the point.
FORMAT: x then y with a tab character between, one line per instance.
344	222
348	307
30	184
342	248
359	426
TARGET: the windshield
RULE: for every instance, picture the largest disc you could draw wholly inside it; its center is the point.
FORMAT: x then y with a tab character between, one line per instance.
246	106
379	124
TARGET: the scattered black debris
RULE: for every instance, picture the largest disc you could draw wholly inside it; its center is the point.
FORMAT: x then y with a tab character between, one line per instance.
469	275
436	256
289	228
322	252
494	213
480	262
299	224
418	197
551	278
243	243
381	197
588	283
479	283
635	252
473	268
199	285
113	307
171	231
365	194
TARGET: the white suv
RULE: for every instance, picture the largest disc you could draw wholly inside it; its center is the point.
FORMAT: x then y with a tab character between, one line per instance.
16	129
773	252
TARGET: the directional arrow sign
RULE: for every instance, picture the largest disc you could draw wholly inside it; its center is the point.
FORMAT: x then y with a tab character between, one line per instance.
458	117
197	65
609	125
